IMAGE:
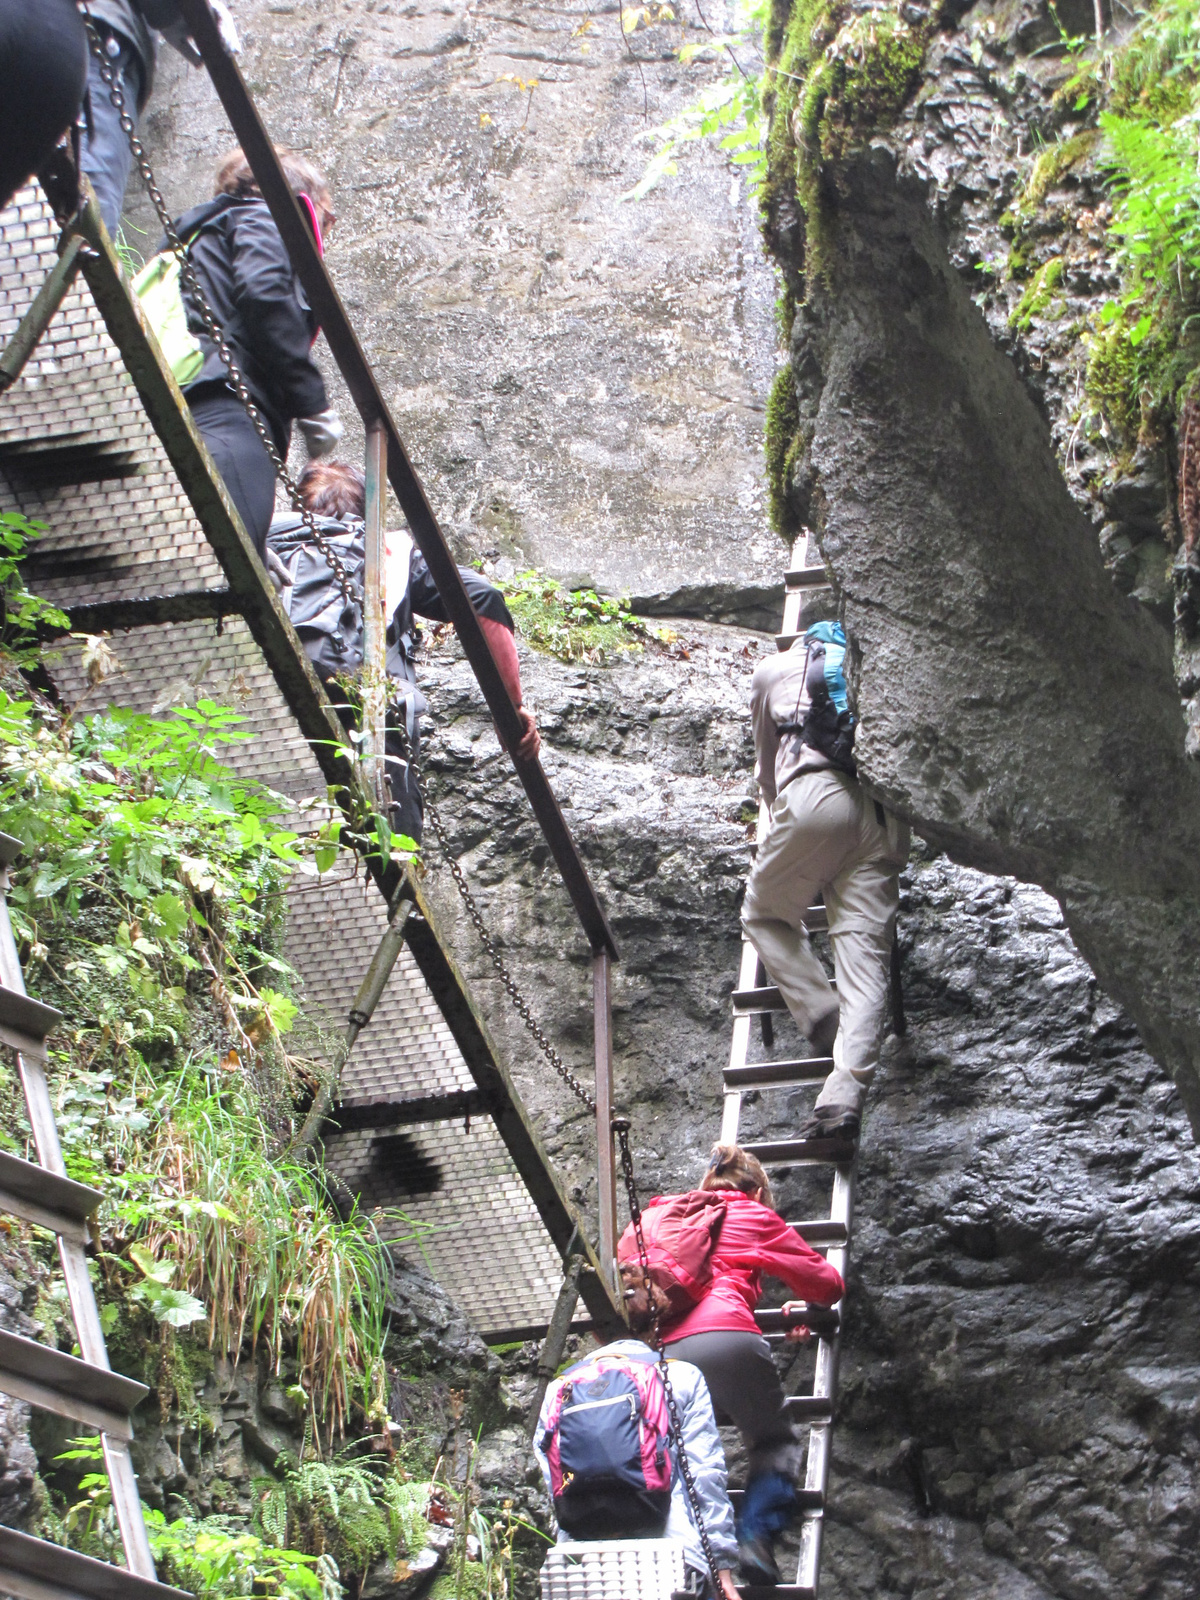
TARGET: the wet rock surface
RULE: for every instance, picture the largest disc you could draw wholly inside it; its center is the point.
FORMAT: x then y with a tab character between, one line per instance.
18	1463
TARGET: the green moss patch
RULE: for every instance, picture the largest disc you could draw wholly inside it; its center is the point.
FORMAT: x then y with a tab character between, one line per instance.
1039	296
782	434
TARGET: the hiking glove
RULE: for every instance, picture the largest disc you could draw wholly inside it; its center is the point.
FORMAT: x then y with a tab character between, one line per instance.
175	32
322	432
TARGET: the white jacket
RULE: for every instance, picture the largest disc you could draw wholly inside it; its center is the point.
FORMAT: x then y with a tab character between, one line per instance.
705	1454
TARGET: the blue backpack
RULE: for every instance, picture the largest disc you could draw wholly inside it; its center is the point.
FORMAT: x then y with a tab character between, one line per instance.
828	724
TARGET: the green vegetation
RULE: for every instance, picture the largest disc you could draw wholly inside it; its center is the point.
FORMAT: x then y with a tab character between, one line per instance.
1036	301
782	441
576	624
148	904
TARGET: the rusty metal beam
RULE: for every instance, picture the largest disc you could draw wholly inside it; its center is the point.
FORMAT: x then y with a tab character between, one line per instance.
38	318
360	380
148	611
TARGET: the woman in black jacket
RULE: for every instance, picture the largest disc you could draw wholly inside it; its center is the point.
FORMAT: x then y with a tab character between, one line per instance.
247	278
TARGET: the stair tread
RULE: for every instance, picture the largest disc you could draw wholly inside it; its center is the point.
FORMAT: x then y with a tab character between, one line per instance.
776	1591
26	1181
806	1499
836	1151
778	1074
49	1570
808	578
821	1230
25	1022
763	997
61	1383
10	848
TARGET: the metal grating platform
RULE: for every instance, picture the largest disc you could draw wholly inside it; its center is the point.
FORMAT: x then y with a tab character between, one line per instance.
78	452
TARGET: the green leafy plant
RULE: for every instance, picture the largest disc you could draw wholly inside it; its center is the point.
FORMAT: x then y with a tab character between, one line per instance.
577	624
216	1561
22	614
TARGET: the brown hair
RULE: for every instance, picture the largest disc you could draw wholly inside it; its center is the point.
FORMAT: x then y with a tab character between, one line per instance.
731	1167
234	176
333	489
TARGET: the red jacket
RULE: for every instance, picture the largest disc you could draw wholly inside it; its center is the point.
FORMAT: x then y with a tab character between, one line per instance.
754	1239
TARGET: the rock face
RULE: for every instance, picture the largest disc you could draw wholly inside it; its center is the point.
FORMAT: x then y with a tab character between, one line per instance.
580	380
1018	706
1018	1415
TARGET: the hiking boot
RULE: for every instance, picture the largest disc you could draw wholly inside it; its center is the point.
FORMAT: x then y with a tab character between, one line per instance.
756	1561
824	1033
832	1122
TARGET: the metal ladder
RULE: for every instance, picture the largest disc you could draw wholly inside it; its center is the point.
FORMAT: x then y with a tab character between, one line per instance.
87	1390
756	997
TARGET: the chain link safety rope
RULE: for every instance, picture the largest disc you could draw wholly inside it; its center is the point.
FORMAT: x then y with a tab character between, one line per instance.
346	586
519	1002
352	594
620	1126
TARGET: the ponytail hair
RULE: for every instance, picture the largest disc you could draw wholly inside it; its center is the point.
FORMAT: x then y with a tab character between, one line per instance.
731	1167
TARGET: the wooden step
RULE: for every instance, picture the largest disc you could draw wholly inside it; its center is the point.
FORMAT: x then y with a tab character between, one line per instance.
10	849
778	1151
69	1387
778	1074
809	1407
43	1198
24	1023
808	578
778	1591
32	1569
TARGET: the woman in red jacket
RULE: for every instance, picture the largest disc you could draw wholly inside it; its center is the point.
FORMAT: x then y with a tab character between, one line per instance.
720	1336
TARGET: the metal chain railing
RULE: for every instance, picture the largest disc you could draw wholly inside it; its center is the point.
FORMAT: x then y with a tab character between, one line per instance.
511	987
354	597
351	593
621	1126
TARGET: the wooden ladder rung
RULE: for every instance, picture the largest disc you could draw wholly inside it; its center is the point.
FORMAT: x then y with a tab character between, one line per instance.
43	1198
779	1074
67	1386
32	1569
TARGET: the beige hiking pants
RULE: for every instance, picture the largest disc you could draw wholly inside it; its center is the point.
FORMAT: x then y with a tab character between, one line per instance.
825	837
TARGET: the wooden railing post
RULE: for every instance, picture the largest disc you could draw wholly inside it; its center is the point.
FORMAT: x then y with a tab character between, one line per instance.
374	677
606	1168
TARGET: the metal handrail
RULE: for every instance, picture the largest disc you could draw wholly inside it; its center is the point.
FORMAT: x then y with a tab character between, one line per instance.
368	398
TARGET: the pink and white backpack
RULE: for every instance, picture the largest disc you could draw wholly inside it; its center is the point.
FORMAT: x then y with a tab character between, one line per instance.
607	1440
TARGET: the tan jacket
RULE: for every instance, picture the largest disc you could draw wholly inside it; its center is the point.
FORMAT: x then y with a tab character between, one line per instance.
777	696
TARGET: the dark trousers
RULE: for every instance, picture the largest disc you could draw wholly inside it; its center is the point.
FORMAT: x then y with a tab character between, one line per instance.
746	1391
43	69
243	463
105	154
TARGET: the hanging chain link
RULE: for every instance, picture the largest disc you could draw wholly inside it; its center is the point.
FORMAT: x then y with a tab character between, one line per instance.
512	989
351	593
620	1126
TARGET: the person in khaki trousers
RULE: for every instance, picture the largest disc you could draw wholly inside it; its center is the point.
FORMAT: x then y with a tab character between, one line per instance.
828	837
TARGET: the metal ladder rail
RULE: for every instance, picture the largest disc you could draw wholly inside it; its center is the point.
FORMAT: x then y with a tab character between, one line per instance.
86	1390
751	998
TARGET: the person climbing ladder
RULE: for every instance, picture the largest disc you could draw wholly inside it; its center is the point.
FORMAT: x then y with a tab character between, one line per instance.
828	837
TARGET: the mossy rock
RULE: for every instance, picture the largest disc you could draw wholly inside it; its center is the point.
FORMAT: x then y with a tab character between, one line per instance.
782	433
